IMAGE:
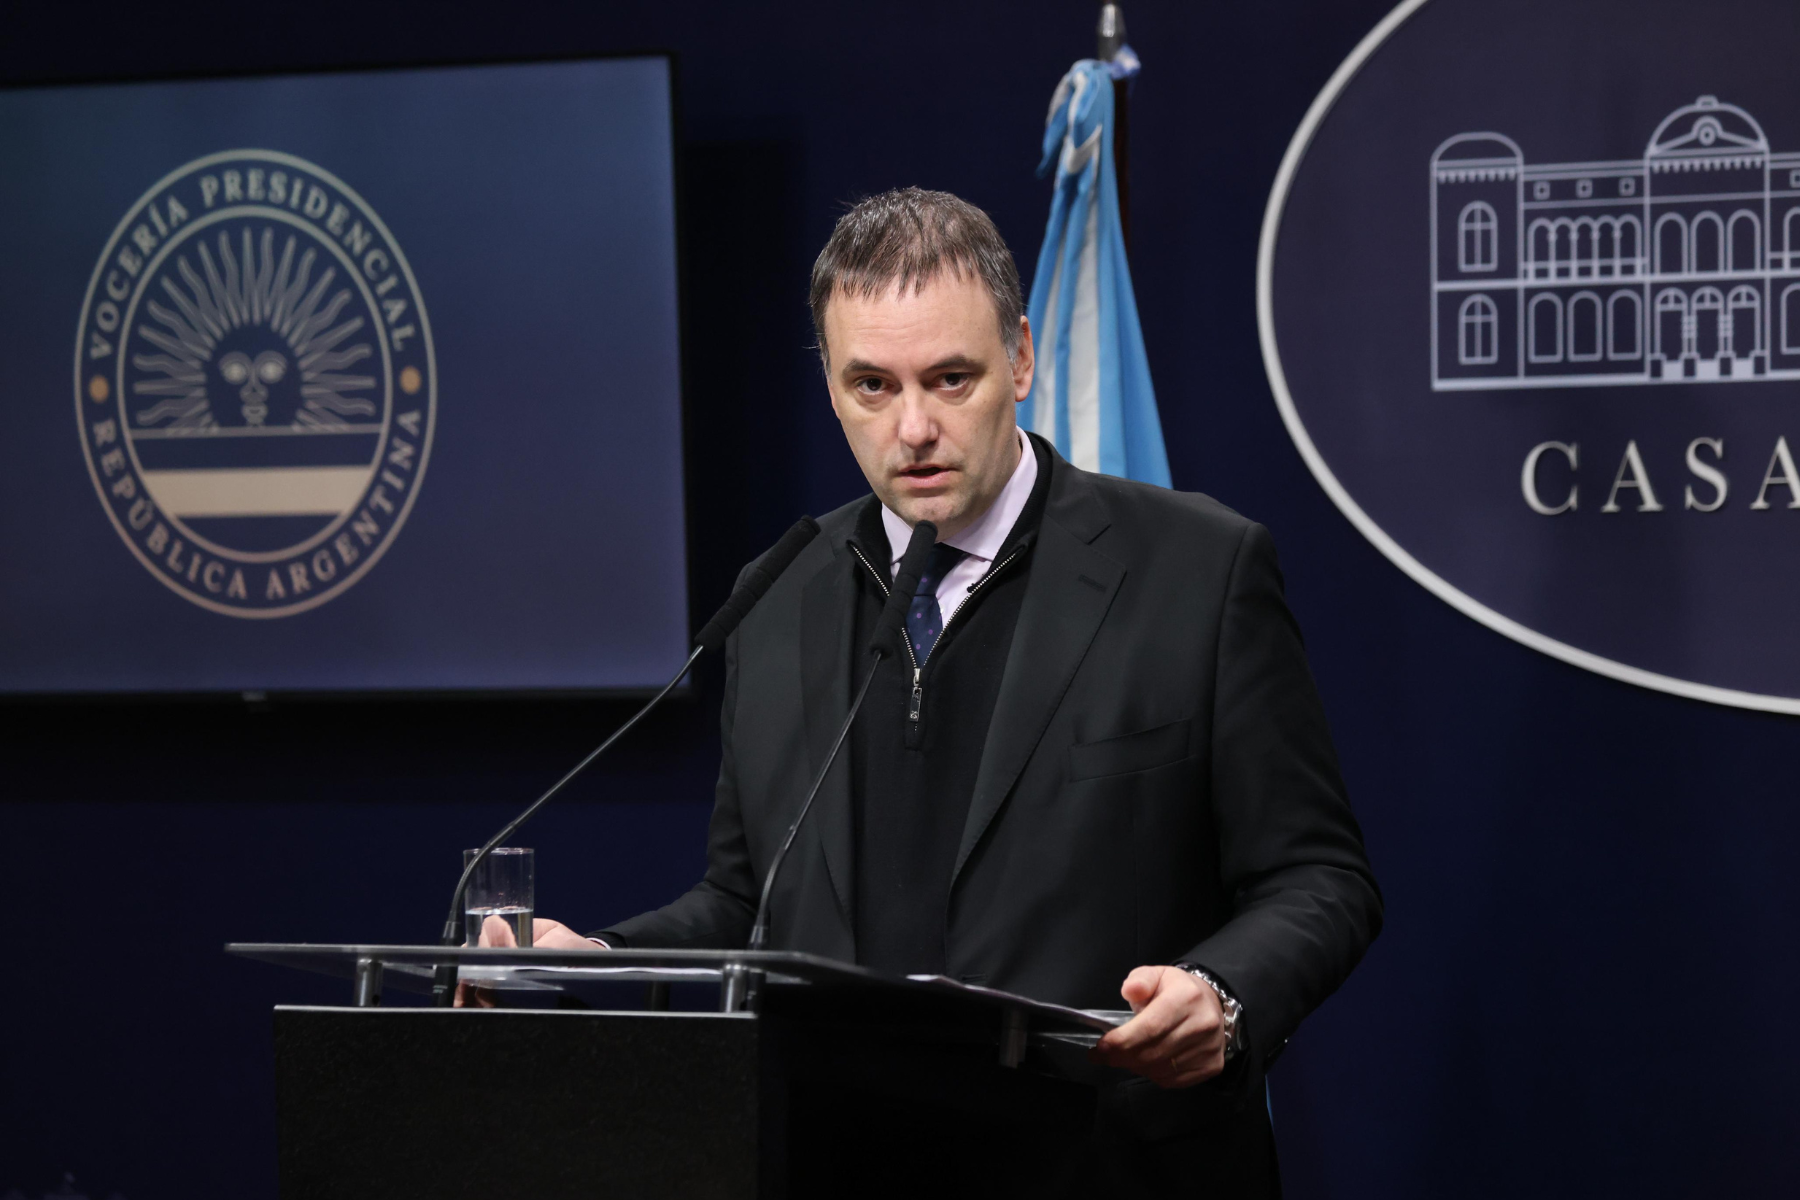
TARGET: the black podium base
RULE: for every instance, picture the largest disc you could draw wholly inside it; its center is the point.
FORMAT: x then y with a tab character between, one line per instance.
502	1103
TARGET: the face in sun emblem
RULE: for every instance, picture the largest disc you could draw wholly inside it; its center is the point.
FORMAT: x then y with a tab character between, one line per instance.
226	326
255	379
255	384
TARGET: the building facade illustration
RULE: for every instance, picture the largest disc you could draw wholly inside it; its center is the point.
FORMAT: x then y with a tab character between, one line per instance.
1682	266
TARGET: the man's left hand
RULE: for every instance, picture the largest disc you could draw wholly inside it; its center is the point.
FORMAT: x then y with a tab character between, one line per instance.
1177	1038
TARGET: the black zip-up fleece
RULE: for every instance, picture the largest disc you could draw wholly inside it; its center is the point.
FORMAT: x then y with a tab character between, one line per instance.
911	779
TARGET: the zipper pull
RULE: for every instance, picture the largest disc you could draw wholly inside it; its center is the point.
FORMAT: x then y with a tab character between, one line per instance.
918	695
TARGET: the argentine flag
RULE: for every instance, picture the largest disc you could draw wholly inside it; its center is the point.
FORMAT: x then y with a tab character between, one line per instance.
1091	396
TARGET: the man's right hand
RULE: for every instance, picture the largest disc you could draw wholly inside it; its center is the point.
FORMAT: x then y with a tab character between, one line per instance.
545	935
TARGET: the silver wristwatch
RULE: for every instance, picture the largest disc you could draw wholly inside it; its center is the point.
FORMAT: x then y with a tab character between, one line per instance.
1232	1010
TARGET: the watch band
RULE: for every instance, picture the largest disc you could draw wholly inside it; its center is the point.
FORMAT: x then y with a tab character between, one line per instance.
1228	1005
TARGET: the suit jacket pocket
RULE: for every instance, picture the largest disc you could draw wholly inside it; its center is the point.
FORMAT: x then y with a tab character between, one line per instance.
1138	751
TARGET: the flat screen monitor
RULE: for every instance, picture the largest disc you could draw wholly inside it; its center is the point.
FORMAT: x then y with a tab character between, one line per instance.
343	381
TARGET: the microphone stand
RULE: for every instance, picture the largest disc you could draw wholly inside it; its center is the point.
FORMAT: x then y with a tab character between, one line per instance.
712	636
759	932
443	984
742	983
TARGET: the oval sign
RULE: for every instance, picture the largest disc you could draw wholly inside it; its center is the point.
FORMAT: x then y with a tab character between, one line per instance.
1529	298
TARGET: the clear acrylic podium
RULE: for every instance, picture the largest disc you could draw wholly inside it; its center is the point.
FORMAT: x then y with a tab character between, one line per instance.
808	1077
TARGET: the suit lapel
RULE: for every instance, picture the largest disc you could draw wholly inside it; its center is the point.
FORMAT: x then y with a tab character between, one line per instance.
1071	588
826	629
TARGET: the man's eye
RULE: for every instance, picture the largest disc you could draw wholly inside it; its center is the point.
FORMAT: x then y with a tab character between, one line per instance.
955	379
868	386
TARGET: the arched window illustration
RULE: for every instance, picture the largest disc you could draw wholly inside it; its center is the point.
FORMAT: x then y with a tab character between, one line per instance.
1671	324
1790	319
1540	249
1745	242
1708	243
1671	245
1606	247
1478	331
1546	328
1623	325
1584	327
1562	251
1477	237
1630	245
1586	249
1707	318
1790	237
1743	322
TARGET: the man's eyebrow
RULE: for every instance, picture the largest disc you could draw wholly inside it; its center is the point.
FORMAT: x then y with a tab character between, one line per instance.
956	362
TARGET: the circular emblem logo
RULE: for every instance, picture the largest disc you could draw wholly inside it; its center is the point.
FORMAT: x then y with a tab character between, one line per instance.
1529	299
255	384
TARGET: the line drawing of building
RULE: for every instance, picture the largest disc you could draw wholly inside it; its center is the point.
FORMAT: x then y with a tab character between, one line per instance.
1680	267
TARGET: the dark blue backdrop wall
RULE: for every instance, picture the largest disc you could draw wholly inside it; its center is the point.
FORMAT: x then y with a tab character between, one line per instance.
1585	979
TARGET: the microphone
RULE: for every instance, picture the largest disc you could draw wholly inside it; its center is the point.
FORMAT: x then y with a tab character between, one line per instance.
886	639
762	575
712	636
885	642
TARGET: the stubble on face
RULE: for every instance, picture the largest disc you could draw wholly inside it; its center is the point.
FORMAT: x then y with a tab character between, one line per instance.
921	382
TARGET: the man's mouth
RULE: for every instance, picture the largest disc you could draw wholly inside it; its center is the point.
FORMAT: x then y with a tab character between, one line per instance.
924	475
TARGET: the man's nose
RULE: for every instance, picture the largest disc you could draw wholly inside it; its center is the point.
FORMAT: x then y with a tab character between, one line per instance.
918	427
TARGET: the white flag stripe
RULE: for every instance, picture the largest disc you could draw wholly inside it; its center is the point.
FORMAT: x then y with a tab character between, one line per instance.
1044	390
258	492
1083	383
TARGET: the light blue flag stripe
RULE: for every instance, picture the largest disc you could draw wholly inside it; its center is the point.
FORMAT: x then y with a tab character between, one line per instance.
1092	396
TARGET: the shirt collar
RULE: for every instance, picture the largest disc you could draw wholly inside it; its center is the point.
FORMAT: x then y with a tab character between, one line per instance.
984	537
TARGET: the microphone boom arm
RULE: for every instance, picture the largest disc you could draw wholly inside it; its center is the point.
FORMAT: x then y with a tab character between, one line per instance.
759	931
453	924
886	641
712	636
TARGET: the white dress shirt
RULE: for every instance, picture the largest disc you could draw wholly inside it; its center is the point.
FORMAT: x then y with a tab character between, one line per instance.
981	542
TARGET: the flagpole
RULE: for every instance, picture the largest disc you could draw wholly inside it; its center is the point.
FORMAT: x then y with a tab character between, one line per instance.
1110	36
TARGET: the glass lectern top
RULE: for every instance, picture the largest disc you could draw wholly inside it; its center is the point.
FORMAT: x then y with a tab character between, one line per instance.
511	969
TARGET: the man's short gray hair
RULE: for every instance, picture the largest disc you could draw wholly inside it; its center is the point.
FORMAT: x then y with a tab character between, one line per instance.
906	238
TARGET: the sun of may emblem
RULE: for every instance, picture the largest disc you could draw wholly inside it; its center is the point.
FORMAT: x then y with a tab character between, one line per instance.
255	384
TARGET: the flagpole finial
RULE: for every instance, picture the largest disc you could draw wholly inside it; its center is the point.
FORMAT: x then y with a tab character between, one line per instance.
1111	32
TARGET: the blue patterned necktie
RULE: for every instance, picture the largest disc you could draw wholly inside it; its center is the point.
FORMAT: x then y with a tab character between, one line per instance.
924	620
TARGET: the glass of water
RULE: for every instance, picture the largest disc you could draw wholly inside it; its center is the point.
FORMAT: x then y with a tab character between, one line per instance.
503	886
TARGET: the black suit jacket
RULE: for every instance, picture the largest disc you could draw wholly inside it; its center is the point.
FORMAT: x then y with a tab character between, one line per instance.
1158	782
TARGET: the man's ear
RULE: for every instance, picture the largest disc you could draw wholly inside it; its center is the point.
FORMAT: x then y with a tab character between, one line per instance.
1024	363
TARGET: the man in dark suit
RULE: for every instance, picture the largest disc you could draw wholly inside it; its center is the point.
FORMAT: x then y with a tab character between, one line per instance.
1101	767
